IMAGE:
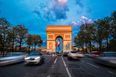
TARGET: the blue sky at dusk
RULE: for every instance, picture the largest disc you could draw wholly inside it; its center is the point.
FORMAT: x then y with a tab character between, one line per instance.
37	14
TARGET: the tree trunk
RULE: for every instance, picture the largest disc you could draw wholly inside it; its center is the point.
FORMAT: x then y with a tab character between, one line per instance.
20	44
100	45
90	46
107	41
29	48
3	50
35	47
86	47
4	45
13	46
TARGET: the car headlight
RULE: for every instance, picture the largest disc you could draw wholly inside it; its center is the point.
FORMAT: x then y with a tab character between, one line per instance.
37	58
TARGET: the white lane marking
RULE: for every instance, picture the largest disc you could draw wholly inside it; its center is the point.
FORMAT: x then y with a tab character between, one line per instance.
48	76
69	74
55	60
52	66
93	65
111	72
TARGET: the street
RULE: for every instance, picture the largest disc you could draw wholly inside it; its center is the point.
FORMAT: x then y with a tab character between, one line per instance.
59	66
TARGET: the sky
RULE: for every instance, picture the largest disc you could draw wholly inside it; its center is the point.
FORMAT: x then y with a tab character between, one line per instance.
36	15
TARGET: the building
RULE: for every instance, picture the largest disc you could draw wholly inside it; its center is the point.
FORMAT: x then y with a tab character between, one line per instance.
54	32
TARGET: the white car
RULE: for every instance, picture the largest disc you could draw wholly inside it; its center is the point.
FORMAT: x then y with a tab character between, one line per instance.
34	57
11	58
75	55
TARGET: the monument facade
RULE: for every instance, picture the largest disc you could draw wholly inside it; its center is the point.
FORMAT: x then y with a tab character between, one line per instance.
65	32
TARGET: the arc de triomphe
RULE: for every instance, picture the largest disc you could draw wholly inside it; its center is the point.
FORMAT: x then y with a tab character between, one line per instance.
55	31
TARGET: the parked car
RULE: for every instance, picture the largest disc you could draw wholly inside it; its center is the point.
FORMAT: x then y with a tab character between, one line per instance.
34	57
75	55
11	58
107	58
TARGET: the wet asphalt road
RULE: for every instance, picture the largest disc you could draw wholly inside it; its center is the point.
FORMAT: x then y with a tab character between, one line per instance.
58	66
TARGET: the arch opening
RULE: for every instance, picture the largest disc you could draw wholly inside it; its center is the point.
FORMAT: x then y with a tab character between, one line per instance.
59	44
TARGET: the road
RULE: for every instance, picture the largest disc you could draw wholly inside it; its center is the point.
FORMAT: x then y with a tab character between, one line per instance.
58	66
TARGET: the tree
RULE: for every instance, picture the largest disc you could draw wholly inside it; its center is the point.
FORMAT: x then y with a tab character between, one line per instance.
34	40
37	41
11	37
100	32
29	41
107	29
85	36
79	41
112	43
0	42
21	33
113	25
4	27
90	35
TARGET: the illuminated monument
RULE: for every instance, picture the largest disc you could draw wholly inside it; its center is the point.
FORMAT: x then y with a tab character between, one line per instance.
54	32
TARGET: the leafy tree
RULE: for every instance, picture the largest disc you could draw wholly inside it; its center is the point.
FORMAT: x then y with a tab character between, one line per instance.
113	25
4	27
90	34
107	29
100	32
112	42
37	41
85	36
21	33
11	38
29	41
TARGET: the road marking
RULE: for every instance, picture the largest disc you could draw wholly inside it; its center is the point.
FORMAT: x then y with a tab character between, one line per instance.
48	76
53	63
69	74
55	60
93	65
111	72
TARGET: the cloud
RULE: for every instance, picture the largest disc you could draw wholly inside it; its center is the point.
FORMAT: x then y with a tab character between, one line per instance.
85	19
74	23
62	1
82	20
55	10
59	9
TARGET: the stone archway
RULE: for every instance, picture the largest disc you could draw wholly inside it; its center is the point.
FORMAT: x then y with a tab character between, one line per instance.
59	44
53	32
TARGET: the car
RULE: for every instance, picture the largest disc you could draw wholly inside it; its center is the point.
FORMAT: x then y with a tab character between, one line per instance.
75	55
93	54
11	58
34	57
65	54
107	58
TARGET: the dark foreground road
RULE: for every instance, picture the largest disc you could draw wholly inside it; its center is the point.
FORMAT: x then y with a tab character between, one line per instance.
58	66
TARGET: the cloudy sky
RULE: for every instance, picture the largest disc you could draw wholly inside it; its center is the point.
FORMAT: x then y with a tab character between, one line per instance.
37	14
